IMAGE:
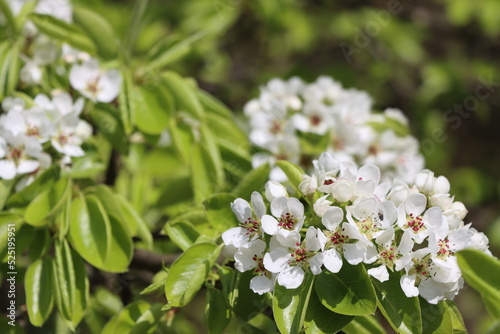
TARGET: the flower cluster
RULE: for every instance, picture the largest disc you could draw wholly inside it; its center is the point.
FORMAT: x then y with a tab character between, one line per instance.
295	121
355	218
28	134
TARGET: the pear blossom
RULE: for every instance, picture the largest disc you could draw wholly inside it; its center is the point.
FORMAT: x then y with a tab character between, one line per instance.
286	220
94	83
289	263
250	221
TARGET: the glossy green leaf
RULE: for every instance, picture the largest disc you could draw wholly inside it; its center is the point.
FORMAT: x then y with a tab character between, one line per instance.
495	329
348	292
456	318
436	319
184	96
9	68
209	143
40	243
107	120
217	312
226	128
7	219
5	188
100	239
63	31
39	289
253	181
365	324
482	273
48	203
293	172
137	317
188	272
156	107
137	225
203	174
402	313
182	234
71	284
7	13
290	306
158	283
43	182
212	105
98	29
246	304
127	100
219	213
320	320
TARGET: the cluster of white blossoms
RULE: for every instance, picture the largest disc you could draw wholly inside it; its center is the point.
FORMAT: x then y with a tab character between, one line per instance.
357	218
295	121
30	135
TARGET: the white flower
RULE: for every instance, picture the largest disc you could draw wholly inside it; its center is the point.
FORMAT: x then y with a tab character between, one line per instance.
287	221
94	83
322	205
343	239
250	221
289	262
274	190
372	217
430	185
410	217
18	155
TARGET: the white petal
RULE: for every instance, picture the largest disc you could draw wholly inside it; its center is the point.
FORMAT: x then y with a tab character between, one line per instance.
109	86
7	169
296	207
235	236
258	204
261	284
332	218
379	273
241	209
408	285
277	259
369	172
315	263
269	224
288	238
415	204
291	277
332	260
279	206
27	166
274	190
364	208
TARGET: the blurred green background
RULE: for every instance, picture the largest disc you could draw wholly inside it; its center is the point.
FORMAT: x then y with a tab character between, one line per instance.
438	61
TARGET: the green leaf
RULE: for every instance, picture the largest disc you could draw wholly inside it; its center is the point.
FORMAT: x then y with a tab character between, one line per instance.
290	306
482	273
402	313
253	181
209	144
138	317
293	172
98	29
7	13
436	319
166	54
48	203
39	289
100	239
203	174
184	96
226	128
188	272
156	107
5	188
217	312
158	283
182	234
9	69
246	303
219	213
214	106
71	284
63	31
366	324
127	100
107	120
319	319
132	217
348	292
456	318
43	182
7	219
495	329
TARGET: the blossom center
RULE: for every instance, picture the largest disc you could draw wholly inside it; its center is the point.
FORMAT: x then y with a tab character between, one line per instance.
337	239
287	221
33	131
414	223
259	265
299	256
16	154
251	225
444	248
315	120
